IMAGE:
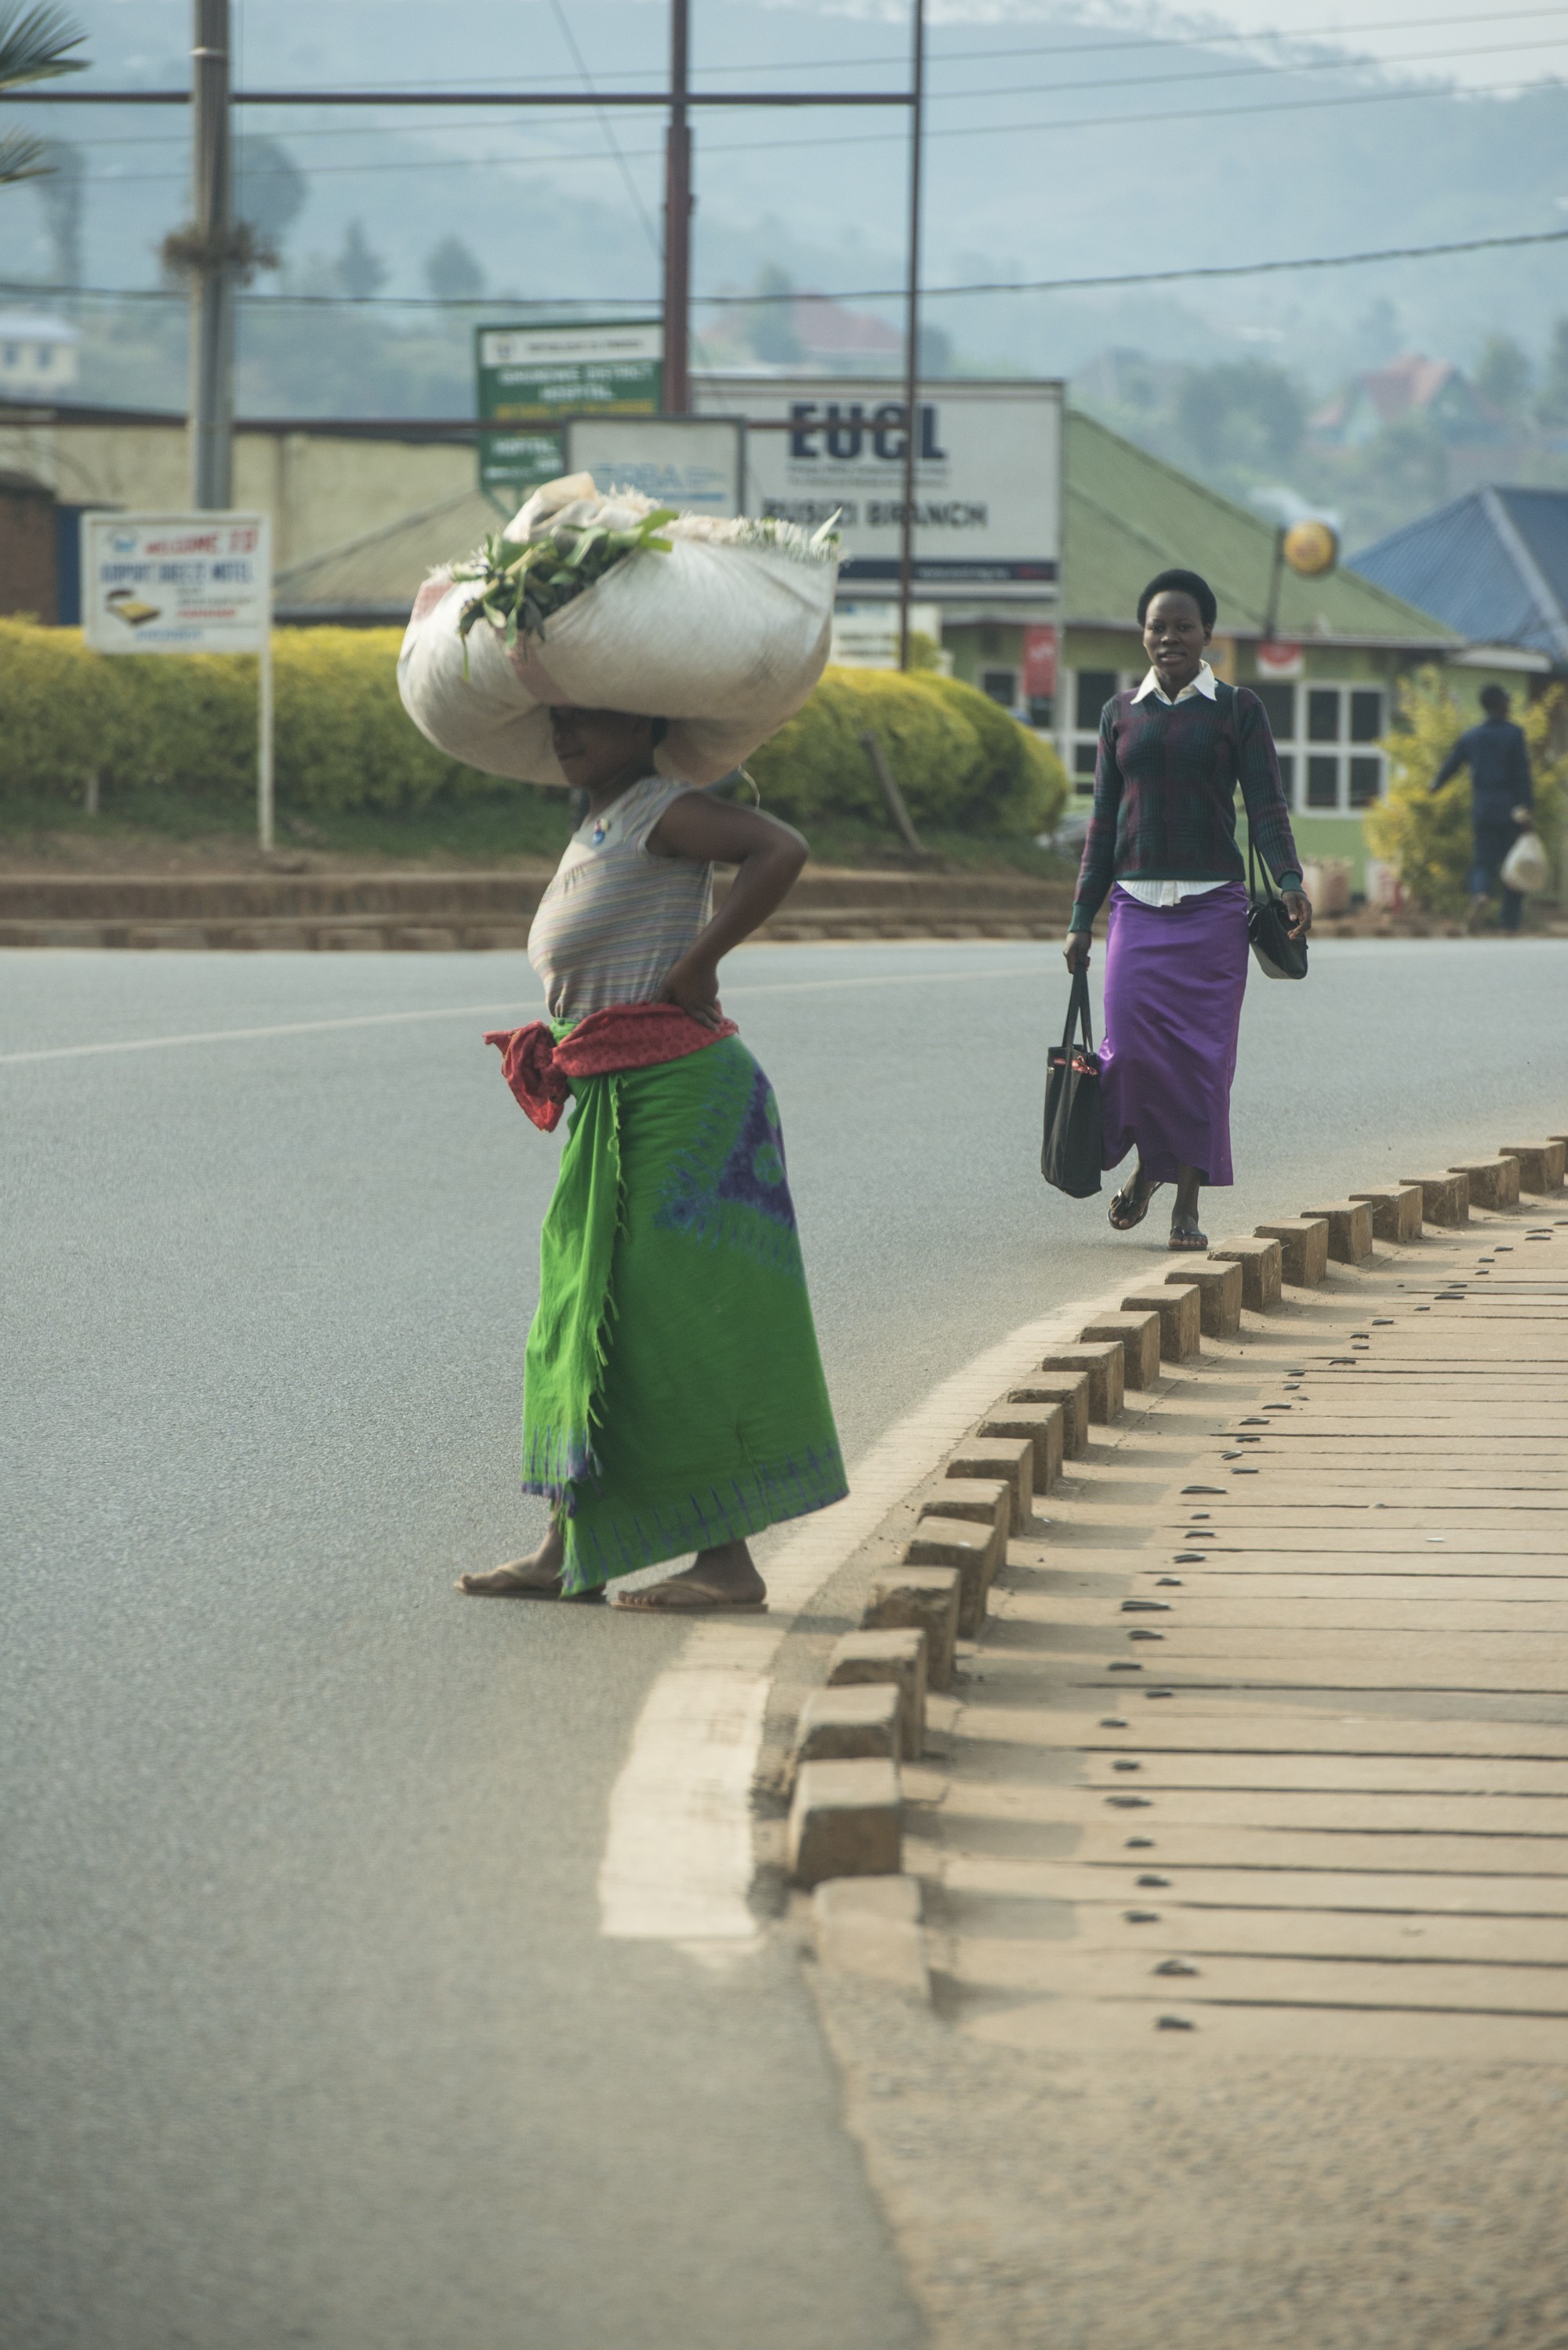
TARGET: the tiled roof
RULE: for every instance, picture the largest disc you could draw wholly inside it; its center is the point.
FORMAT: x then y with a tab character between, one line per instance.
1493	565
382	572
1130	515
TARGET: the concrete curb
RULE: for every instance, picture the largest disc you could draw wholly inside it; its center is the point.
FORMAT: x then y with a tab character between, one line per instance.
865	1923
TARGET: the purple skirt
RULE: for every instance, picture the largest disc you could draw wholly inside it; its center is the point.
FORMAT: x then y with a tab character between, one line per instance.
1175	976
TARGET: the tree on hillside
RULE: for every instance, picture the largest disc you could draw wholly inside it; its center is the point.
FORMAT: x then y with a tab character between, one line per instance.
270	189
452	272
60	187
774	336
359	269
1241	413
1551	407
36	45
1502	375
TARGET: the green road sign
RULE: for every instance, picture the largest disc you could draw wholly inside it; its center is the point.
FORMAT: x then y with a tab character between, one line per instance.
528	375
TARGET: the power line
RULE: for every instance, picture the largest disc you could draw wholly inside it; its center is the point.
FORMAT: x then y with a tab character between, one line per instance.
605	124
855	294
956	97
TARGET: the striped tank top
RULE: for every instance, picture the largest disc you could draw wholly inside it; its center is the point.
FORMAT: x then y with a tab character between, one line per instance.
617	919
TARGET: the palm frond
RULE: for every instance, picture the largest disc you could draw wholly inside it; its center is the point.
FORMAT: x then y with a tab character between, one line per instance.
22	158
35	43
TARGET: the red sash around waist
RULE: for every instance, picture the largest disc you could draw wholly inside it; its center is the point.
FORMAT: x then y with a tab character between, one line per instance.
622	1036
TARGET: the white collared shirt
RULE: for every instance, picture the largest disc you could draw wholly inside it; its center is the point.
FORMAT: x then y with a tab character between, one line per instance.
1170	893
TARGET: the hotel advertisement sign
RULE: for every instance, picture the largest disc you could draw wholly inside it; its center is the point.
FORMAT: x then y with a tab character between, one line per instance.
173	583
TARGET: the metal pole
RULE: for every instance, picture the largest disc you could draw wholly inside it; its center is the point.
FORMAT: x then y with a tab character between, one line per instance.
912	337
211	285
676	222
263	739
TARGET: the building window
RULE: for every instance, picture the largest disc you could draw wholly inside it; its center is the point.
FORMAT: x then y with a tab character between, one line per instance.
1323	783
46	355
1001	685
1280	709
1093	688
1090	690
1331	777
1323	713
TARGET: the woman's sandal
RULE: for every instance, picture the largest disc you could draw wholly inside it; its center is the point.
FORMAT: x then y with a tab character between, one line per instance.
703	1597
1186	1236
1130	1199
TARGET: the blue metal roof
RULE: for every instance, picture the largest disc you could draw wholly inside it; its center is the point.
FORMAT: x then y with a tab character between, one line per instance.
1493	565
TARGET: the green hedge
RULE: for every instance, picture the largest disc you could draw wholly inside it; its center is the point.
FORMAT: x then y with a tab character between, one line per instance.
186	727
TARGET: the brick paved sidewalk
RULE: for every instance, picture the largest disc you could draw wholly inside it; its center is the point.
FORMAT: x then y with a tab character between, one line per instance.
1246	1865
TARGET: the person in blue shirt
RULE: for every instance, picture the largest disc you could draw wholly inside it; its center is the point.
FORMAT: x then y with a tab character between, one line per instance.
1502	799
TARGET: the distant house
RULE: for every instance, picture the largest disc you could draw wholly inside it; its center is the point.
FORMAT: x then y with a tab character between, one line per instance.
37	355
1409	387
1493	565
828	334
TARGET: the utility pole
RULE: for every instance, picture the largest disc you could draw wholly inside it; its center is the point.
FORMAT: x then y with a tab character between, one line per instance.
913	336
211	280
676	222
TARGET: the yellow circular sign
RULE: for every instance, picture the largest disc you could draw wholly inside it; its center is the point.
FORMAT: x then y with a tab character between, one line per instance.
1311	549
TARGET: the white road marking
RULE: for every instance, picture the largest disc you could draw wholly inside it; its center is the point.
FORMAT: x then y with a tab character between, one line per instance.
678	1861
478	1011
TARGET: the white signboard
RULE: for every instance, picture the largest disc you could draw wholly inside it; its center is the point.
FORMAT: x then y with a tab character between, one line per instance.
866	635
192	583
988	478
692	461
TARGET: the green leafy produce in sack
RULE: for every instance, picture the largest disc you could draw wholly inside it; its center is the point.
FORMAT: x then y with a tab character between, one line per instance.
525	585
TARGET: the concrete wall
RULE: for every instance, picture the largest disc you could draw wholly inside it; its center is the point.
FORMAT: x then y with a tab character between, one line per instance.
321	488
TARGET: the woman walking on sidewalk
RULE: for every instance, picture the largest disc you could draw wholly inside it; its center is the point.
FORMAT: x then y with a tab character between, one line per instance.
1162	844
673	1395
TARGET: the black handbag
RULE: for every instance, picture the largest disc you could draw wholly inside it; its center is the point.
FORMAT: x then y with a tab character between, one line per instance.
1276	953
1070	1155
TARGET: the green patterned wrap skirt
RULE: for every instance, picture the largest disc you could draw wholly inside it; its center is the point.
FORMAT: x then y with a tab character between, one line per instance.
673	1395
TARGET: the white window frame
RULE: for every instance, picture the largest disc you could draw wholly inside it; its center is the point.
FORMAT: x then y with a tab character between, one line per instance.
1298	749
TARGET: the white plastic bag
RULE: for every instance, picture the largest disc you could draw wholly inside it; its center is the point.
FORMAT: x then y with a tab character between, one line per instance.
1525	868
723	637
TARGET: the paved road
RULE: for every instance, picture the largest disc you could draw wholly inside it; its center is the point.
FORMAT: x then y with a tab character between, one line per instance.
311	2037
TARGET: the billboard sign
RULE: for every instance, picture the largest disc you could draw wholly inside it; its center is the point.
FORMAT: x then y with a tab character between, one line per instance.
696	462
176	583
988	477
528	375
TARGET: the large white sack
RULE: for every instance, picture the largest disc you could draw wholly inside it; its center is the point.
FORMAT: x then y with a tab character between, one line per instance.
722	638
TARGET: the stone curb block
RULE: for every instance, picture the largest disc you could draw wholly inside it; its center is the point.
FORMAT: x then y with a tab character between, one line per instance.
1008	1461
898	1657
1072	1392
972	1551
848	1723
1262	1270
927	1595
846	1820
1303	1248
1104	1365
1445	1199
1540	1164
1349	1225
1042	1425
1180	1309
870	1927
1396	1210
1494	1182
1218	1288
1138	1335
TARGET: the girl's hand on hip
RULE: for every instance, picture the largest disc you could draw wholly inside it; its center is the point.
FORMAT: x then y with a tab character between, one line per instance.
694	986
1075	954
1298	906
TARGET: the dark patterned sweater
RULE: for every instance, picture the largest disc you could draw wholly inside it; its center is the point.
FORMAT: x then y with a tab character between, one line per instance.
1165	795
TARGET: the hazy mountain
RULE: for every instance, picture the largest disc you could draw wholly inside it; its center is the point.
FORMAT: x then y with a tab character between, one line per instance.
1059	147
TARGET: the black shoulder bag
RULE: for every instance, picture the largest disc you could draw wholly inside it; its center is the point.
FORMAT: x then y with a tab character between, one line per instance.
1276	953
1070	1155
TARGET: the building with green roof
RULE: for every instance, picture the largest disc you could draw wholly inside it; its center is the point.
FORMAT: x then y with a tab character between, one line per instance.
1340	644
